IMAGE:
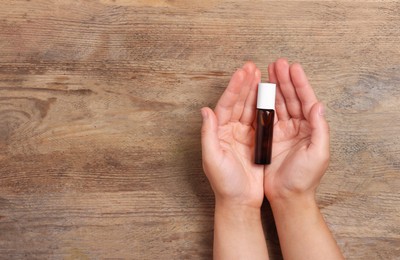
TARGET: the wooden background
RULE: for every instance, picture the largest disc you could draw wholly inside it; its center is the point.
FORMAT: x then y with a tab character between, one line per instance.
100	124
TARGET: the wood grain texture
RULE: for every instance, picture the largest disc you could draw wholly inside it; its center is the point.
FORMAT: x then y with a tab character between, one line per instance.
100	126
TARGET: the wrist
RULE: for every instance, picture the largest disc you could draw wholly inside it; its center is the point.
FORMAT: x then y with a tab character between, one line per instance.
238	232
287	196
237	212
294	206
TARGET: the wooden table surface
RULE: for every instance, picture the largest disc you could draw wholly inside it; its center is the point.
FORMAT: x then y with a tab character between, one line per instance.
100	125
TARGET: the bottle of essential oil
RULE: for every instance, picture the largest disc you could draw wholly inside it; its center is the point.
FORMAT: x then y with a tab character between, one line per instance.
265	122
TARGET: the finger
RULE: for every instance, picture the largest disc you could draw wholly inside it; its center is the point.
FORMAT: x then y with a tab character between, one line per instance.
225	104
211	149
293	104
238	108
319	132
249	110
303	89
280	104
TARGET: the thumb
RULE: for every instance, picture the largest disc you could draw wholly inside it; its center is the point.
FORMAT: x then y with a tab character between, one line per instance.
211	149
319	132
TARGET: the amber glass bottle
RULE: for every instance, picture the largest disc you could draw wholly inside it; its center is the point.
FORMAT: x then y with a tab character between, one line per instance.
265	122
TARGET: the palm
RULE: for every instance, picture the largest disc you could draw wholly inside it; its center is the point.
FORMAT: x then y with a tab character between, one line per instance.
291	139
243	176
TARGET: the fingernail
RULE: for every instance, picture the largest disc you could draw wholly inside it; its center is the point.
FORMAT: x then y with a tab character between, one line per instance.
204	113
321	110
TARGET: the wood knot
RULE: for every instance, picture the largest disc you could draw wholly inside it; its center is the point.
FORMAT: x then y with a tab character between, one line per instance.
19	116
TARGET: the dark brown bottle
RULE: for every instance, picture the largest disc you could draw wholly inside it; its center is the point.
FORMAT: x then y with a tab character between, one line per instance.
265	122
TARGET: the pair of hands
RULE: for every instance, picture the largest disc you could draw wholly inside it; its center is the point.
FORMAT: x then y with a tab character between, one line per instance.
300	152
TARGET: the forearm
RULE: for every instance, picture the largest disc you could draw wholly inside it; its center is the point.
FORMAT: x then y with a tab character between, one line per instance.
238	233
303	233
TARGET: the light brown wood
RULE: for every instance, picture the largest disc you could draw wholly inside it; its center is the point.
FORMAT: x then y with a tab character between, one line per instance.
100	126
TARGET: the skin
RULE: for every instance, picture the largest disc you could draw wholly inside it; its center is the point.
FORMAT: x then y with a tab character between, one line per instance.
299	160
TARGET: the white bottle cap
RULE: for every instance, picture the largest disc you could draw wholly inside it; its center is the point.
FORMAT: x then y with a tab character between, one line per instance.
266	96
